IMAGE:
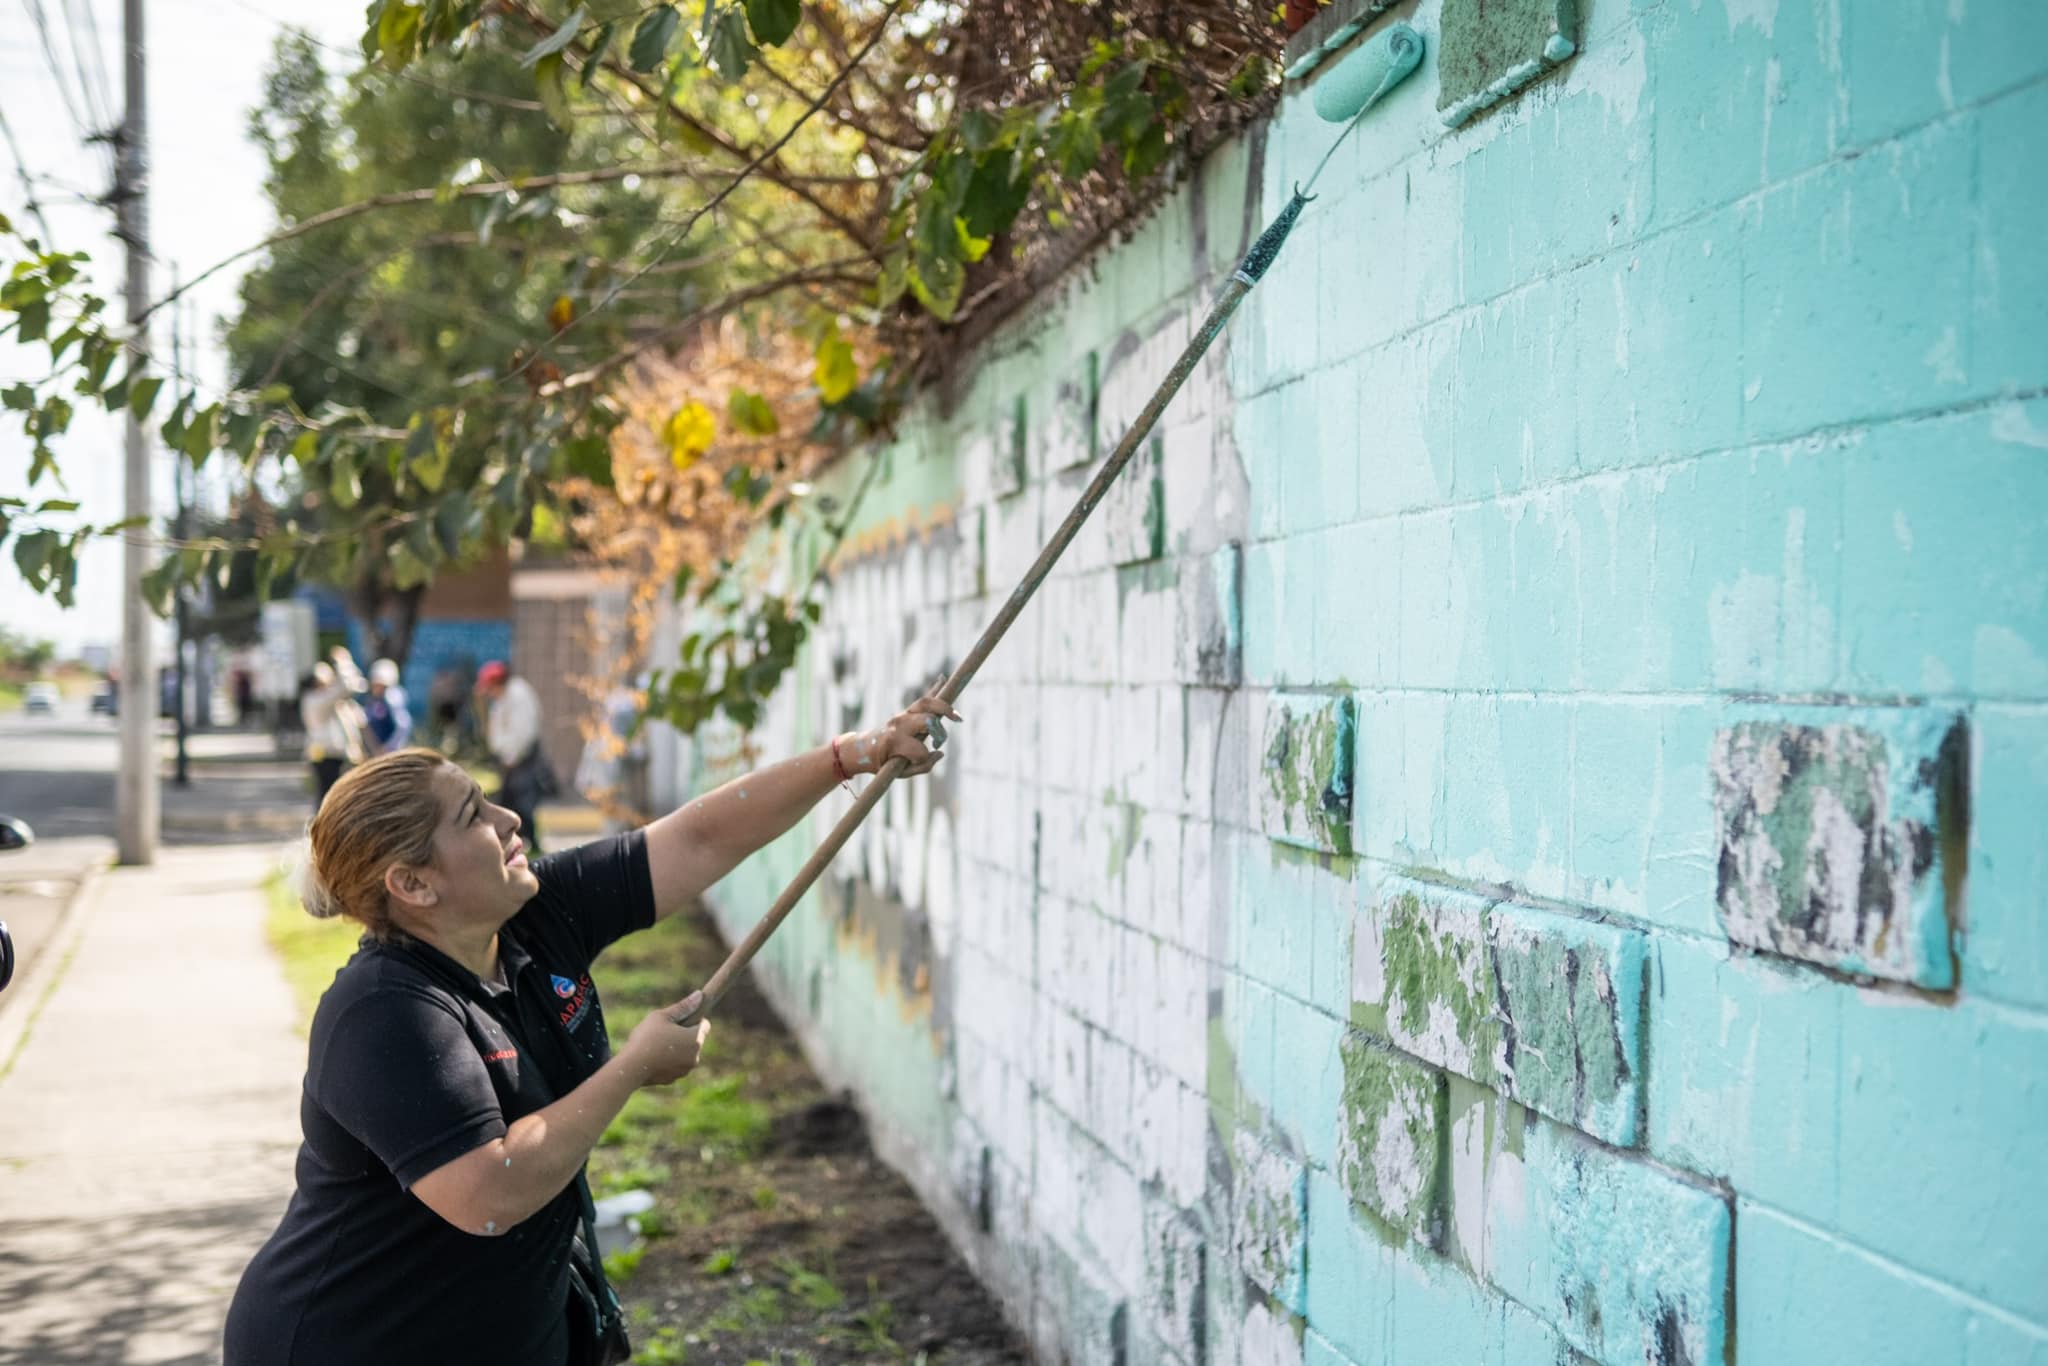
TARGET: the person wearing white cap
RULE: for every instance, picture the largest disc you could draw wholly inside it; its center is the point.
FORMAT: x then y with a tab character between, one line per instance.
388	718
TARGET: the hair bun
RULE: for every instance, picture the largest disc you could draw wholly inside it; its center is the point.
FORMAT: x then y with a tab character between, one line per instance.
320	903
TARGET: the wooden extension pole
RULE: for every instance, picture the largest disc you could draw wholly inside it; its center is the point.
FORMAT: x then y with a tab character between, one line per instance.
1234	289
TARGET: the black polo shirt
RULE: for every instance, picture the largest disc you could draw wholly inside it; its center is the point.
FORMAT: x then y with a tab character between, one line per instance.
413	1061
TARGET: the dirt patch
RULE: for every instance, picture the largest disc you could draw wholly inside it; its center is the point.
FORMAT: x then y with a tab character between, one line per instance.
777	1235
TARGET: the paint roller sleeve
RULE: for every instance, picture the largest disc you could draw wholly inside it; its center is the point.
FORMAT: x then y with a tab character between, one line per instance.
1355	83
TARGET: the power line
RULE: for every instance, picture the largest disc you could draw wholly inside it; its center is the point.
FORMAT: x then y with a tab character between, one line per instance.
90	57
82	125
28	187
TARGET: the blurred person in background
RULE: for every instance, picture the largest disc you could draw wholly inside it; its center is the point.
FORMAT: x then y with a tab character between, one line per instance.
385	712
333	722
512	735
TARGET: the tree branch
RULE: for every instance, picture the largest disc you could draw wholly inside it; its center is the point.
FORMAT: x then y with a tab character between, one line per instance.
766	155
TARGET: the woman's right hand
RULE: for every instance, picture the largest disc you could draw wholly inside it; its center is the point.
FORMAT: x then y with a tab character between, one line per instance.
661	1048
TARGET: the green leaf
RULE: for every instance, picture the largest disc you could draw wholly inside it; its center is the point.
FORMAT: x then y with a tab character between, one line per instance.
995	194
201	437
559	39
32	551
651	40
752	414
937	276
748	484
142	395
590	457
431	467
1077	143
546	528
599	46
19	398
549	76
55	505
53	419
979	130
160	586
346	483
732	52
774	20
305	447
836	371
32	321
398	31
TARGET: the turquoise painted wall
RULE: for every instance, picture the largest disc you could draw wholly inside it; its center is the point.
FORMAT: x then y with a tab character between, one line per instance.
1519	834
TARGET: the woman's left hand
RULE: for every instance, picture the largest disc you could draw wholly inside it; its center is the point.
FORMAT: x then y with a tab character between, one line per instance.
904	737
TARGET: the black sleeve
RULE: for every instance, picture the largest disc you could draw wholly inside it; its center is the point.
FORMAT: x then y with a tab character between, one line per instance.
597	892
401	1074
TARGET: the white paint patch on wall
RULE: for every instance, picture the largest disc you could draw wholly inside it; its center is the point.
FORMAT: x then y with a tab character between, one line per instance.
1761	15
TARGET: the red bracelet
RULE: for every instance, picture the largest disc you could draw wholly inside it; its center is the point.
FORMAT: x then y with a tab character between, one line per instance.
837	767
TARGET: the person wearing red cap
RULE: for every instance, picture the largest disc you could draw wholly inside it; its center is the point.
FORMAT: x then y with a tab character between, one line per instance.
512	735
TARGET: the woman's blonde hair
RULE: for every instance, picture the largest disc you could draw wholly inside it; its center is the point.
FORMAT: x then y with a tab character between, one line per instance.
379	814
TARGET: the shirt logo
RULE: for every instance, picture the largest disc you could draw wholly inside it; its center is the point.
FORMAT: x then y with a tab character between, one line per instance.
576	999
502	1055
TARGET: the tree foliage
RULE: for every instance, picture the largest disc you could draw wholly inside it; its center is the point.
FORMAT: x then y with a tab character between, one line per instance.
518	215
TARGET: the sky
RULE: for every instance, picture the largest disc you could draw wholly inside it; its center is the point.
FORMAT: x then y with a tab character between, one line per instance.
206	60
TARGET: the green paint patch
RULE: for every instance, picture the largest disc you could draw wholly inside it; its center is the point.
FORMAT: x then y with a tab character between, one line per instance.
1390	1139
1128	816
1439	988
1844	842
1570	998
1305	767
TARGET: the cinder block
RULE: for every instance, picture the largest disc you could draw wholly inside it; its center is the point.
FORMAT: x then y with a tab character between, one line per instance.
1440	1314
1148	631
1390	1135
2008	345
1350	1272
1301	779
1738	99
1487	51
1804	1292
1437	978
1659	332
1855	288
1269	1217
1627	1261
1931	58
1546	1007
2005	952
1066	439
1571	1005
1843	837
1942	576
1176	1279
1208	641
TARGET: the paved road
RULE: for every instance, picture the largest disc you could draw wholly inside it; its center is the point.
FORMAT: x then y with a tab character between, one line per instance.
148	1119
57	773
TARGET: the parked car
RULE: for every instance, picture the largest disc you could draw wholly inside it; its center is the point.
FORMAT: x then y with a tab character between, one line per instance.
40	700
14	834
106	698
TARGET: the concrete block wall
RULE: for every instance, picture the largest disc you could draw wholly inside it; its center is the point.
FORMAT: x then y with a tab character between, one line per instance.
1517	836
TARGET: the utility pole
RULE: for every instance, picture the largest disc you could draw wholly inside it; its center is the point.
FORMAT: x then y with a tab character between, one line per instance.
135	784
182	774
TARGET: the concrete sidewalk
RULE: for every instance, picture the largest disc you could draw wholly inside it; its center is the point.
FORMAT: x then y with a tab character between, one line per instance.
149	1118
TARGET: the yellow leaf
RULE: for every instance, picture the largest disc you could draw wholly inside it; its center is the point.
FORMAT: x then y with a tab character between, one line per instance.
836	372
690	433
561	313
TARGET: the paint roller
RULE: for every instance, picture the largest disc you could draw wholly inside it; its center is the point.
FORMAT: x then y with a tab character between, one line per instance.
1347	91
